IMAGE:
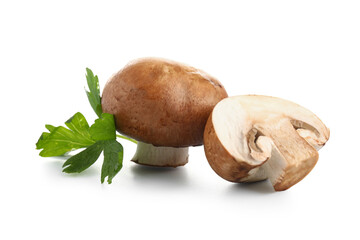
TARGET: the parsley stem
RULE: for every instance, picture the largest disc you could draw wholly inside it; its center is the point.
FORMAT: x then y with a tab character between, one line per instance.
127	138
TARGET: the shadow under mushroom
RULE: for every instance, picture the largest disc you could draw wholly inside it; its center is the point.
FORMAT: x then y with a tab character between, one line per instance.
164	176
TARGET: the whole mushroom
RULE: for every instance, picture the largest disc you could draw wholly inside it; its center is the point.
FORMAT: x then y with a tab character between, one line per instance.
252	138
164	105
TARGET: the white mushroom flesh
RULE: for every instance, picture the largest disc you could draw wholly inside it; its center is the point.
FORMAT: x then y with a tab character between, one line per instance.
278	138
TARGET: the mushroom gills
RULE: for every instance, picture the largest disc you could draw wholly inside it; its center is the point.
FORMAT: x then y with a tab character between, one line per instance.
291	157
150	155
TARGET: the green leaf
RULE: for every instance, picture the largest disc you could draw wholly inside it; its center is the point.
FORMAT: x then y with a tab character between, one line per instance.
61	140
79	125
103	128
42	140
94	92
101	136
113	158
50	127
84	159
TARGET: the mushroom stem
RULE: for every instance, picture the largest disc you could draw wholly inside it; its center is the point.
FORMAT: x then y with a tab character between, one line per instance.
148	154
292	157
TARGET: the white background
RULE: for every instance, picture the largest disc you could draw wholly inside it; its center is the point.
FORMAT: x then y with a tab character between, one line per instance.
304	51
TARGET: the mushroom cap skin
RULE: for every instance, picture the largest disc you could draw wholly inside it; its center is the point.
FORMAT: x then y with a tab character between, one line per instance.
162	102
252	138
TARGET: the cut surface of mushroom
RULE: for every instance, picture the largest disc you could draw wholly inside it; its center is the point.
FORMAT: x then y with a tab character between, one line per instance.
252	138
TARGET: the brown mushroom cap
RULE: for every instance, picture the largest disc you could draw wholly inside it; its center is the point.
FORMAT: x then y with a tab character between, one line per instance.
162	102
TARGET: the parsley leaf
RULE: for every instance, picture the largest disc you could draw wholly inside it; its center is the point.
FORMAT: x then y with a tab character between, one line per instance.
94	92
50	127
42	140
79	125
104	133
101	136
103	128
113	158
84	159
61	140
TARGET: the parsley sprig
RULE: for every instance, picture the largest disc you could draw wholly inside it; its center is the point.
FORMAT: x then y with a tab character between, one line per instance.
97	138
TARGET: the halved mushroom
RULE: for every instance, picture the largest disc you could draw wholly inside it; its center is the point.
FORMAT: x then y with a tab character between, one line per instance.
252	138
